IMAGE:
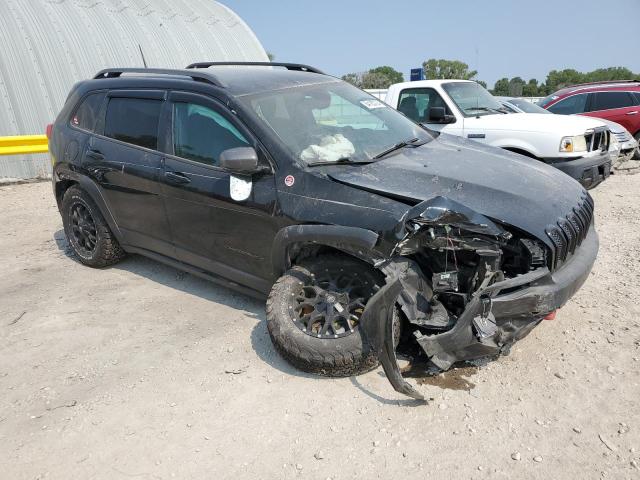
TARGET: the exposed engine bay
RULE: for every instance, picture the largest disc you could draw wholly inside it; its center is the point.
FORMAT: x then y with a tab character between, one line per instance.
462	284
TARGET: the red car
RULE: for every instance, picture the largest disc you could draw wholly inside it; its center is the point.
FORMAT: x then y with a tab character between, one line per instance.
618	101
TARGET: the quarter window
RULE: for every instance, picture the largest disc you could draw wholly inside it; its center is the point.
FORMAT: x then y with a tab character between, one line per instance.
202	134
609	100
87	113
133	120
570	105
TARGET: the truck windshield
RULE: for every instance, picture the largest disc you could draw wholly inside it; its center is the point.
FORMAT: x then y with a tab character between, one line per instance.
334	123
472	99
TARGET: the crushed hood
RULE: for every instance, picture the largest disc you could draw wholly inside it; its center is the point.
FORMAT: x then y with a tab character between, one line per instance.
510	188
562	125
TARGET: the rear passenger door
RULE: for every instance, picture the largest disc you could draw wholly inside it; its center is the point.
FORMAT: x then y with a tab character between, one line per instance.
123	159
617	106
220	222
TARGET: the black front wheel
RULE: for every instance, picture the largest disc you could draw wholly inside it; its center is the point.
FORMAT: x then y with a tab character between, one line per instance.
313	315
87	232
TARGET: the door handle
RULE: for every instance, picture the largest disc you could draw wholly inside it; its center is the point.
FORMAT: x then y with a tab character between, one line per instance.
177	177
95	154
635	112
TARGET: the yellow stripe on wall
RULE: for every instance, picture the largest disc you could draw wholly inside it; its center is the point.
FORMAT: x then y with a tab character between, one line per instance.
23	144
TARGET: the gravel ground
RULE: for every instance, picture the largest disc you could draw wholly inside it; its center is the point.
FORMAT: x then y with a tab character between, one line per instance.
142	371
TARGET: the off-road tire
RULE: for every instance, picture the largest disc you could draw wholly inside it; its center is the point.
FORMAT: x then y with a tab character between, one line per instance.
332	357
107	250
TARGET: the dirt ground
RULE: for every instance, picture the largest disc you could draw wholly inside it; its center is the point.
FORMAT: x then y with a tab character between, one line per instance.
142	371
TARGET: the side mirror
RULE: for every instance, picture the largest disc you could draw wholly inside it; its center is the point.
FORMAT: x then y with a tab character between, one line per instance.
240	160
438	115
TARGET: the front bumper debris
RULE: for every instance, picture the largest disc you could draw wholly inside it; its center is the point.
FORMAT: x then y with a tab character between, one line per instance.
491	322
590	171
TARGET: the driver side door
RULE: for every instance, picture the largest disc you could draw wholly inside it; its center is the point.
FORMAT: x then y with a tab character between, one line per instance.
220	222
415	104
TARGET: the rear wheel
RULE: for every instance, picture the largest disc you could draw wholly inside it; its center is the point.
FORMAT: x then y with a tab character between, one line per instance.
313	315
87	232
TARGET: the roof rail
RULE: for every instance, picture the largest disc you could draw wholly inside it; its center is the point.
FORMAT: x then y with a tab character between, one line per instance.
602	82
197	76
289	66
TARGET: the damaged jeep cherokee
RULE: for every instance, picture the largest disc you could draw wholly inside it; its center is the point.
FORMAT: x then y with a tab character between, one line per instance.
367	233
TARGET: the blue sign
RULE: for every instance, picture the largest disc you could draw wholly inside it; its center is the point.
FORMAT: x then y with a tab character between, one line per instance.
417	74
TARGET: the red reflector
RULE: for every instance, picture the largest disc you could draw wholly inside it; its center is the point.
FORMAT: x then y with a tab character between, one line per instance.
551	316
49	129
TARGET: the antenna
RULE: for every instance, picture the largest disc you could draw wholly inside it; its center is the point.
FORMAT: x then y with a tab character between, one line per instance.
144	60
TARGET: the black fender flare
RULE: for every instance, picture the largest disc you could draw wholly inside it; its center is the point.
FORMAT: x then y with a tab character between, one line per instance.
355	241
89	186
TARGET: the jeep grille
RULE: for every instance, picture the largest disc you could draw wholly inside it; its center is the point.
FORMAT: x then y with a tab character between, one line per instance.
569	232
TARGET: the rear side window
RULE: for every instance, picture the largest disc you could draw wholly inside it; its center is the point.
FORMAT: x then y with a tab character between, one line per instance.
133	120
609	100
570	105
87	112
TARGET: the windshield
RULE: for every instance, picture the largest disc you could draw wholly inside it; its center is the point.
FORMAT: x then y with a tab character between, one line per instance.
472	99
333	122
527	106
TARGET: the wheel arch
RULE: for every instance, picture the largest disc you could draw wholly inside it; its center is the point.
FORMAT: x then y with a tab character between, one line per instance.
68	180
299	241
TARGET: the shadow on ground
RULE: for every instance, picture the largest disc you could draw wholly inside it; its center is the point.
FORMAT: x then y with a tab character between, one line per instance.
192	285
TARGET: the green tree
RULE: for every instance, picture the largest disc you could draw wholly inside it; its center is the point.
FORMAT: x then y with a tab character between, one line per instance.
530	89
516	85
557	79
271	56
379	77
353	78
610	73
501	87
439	69
382	75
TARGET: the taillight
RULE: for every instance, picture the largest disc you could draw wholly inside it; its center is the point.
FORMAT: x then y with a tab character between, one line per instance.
49	130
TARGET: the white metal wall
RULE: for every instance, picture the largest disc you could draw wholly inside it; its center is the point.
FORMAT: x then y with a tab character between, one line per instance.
48	45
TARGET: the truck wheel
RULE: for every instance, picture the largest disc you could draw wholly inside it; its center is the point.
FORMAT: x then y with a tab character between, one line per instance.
87	232
313	312
636	152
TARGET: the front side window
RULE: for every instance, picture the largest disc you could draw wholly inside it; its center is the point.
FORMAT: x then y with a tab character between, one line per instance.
416	102
87	113
133	120
201	134
610	100
332	121
472	99
570	105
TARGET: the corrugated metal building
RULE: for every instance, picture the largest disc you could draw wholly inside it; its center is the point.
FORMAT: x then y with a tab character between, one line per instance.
48	45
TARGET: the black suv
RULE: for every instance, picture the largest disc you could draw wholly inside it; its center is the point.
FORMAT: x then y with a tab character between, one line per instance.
367	233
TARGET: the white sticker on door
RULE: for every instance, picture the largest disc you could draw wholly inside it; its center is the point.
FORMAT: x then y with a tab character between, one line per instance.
240	188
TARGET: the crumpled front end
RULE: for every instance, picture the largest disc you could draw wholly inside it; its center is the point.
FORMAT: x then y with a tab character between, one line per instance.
468	287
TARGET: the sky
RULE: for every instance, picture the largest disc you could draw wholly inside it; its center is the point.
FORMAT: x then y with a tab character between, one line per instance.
499	38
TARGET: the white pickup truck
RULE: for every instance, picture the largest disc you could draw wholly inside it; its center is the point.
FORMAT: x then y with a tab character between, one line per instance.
579	146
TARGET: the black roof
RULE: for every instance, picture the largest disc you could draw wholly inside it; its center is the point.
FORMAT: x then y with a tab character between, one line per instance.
237	80
247	80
